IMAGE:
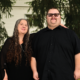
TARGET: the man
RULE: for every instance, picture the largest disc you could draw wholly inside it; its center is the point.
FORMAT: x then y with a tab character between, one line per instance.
56	51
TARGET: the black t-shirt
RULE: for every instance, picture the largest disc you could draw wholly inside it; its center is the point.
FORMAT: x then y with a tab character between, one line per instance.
19	72
54	51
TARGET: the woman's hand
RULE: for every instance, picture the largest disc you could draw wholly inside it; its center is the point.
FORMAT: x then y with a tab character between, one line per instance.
35	75
6	76
63	26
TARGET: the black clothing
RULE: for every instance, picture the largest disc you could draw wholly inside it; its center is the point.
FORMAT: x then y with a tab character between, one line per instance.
19	72
54	51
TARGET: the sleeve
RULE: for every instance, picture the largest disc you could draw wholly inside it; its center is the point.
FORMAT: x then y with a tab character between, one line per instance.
76	44
3	57
34	45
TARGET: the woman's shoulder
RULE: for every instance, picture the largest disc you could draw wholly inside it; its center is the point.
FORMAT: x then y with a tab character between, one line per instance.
6	45
8	39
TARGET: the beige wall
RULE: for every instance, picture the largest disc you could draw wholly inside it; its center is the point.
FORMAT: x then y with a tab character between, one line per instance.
21	2
18	10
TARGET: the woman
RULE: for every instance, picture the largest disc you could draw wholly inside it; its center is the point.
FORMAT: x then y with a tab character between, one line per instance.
16	54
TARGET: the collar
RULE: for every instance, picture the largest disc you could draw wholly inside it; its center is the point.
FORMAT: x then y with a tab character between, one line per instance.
59	27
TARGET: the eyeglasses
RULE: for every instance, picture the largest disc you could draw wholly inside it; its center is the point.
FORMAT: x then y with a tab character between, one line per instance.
55	14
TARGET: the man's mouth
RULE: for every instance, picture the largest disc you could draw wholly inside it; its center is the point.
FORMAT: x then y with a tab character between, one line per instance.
53	19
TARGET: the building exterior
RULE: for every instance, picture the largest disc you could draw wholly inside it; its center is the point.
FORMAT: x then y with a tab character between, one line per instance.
19	10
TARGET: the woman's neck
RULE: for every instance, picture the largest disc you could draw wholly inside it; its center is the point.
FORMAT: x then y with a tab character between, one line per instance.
21	39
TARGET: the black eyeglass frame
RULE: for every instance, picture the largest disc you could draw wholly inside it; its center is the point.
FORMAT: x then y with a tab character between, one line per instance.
55	14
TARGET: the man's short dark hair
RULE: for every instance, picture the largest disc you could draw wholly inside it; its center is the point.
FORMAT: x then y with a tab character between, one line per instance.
52	8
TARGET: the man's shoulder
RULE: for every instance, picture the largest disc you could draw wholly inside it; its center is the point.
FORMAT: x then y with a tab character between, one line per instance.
70	32
37	34
41	31
67	30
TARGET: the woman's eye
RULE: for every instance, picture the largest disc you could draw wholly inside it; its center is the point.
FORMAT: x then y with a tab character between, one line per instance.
21	24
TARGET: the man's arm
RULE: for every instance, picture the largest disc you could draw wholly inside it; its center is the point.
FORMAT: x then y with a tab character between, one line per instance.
34	68
77	66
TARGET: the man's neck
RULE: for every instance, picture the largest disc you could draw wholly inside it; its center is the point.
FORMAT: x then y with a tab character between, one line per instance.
53	27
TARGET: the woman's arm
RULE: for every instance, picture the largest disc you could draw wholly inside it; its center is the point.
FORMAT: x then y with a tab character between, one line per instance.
3	58
34	68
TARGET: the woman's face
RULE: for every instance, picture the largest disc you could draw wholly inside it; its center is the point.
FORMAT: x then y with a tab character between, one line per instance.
22	27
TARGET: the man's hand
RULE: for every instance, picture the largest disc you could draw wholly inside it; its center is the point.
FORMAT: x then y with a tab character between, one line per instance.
35	75
77	74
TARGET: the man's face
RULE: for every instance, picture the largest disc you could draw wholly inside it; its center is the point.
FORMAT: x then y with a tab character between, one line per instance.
53	18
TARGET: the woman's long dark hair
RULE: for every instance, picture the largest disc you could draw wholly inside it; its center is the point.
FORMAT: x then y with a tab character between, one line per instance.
14	51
